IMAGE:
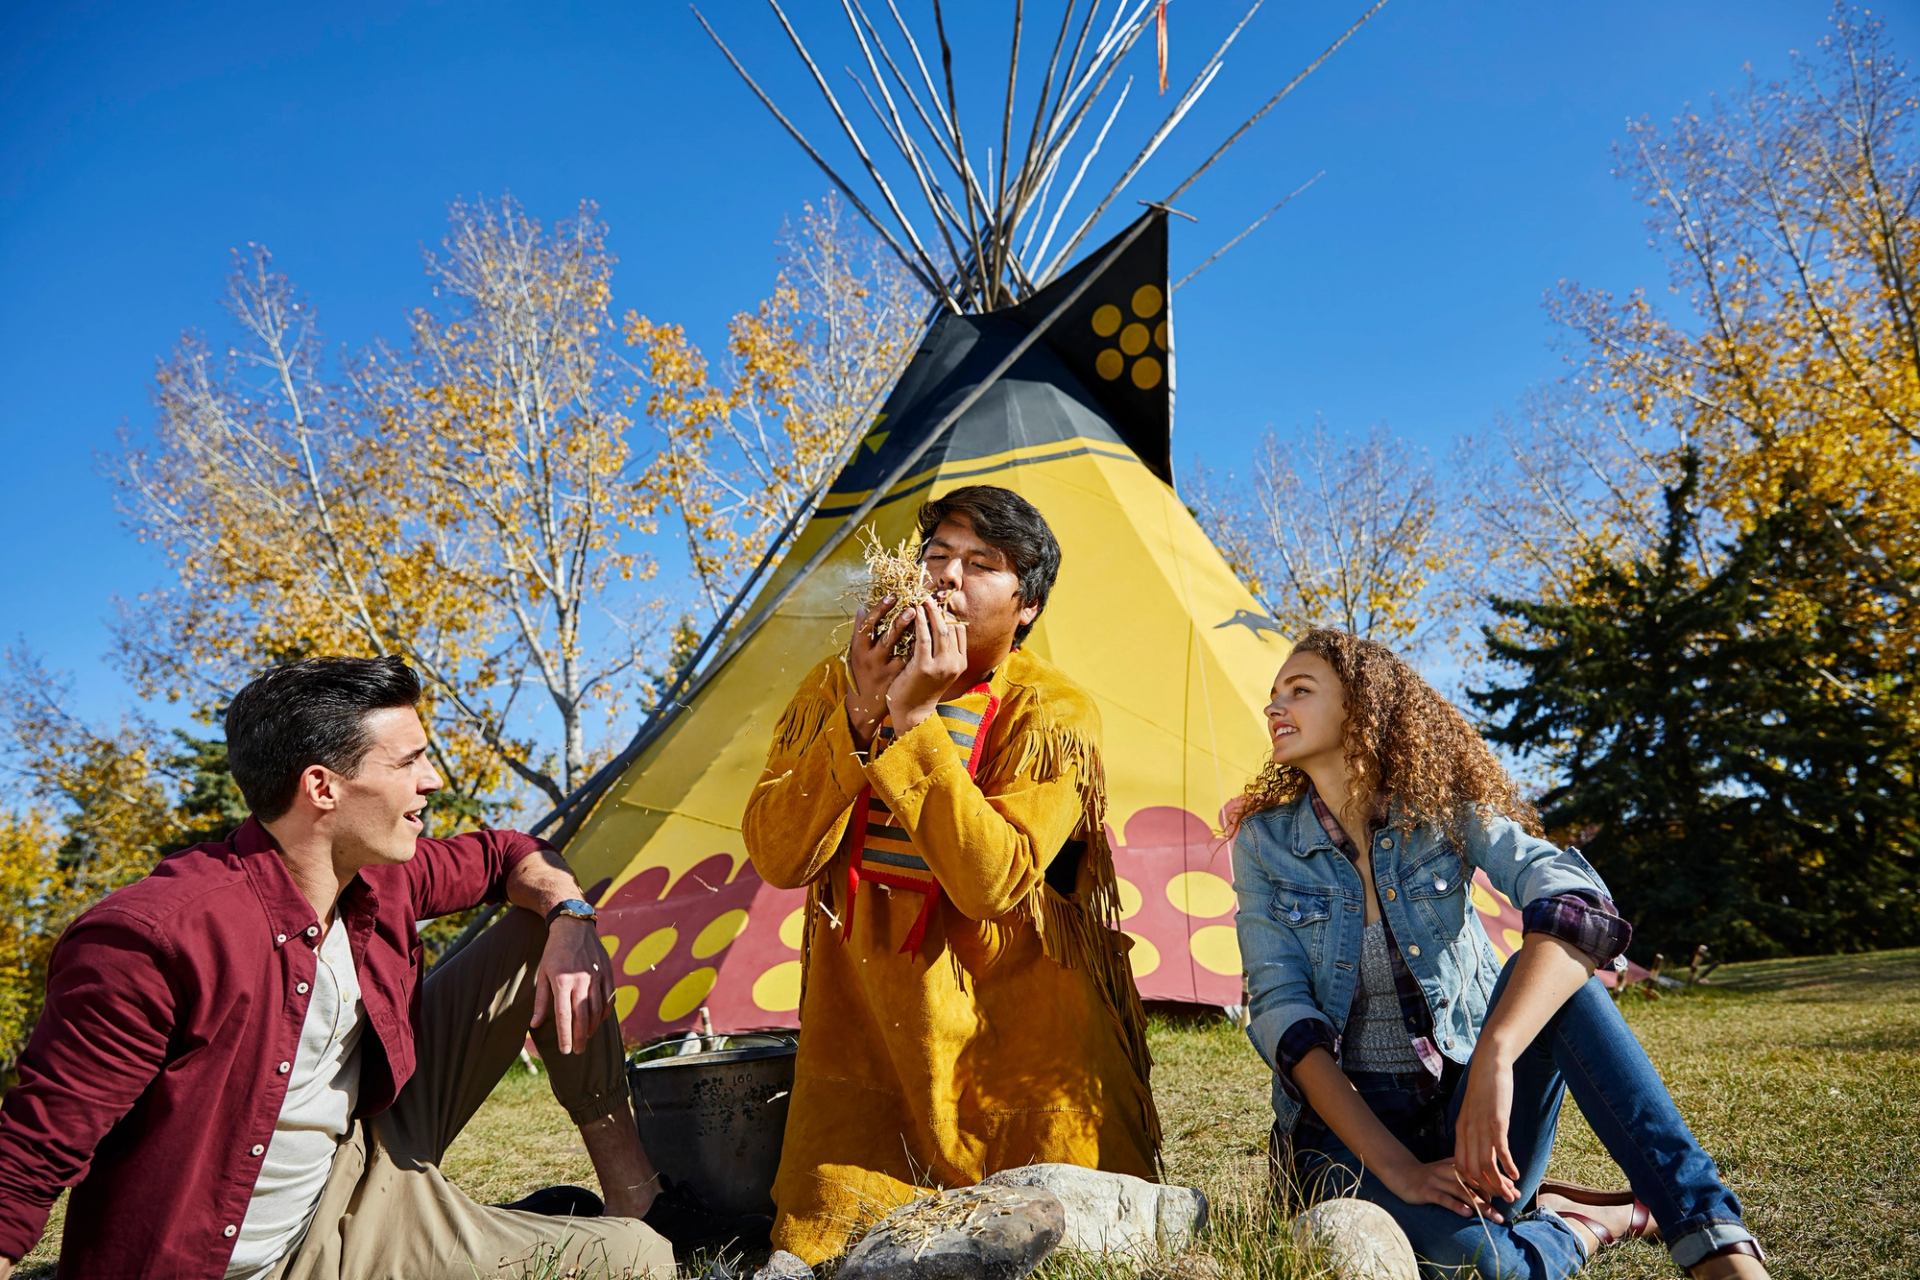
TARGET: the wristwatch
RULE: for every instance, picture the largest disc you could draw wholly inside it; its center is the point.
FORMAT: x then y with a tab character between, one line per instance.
575	908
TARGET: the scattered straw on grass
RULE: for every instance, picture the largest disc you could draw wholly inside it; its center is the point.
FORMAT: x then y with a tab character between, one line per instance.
967	1211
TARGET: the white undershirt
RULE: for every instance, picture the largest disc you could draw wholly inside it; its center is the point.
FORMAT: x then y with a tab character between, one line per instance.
322	1087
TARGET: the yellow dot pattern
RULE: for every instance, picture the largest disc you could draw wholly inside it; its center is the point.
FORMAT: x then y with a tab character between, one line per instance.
624	998
1144	957
1130	898
793	928
650	950
778	989
719	934
1200	893
1217	949
1129	357
684	996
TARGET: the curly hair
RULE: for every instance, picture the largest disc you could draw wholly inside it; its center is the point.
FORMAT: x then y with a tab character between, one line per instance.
1403	743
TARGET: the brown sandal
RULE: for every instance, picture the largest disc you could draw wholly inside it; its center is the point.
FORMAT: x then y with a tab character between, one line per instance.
1640	1226
1584	1194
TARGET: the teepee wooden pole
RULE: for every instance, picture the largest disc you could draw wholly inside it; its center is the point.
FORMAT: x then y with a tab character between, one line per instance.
933	285
962	164
1202	80
1028	180
1114	44
937	133
1067	79
979	262
1000	244
1251	228
1274	101
944	215
853	136
1067	198
1100	70
915	159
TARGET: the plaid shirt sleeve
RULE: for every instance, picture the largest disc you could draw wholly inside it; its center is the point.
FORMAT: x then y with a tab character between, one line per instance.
1296	1042
1589	925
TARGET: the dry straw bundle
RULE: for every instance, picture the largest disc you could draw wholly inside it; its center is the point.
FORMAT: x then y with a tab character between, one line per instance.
897	573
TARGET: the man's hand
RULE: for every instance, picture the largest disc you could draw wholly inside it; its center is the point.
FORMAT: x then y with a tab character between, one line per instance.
1480	1148
6	1268
574	984
871	664
938	659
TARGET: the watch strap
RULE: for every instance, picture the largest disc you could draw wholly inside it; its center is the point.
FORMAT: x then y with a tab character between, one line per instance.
574	908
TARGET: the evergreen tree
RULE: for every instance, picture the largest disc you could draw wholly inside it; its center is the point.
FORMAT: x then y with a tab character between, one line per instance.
1727	757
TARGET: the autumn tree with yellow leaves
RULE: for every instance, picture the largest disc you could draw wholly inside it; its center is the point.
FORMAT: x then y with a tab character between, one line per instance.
1768	621
1785	353
1357	533
462	503
491	499
91	807
483	501
743	450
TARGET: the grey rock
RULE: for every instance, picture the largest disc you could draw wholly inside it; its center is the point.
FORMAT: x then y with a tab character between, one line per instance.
1358	1239
1115	1212
972	1233
784	1266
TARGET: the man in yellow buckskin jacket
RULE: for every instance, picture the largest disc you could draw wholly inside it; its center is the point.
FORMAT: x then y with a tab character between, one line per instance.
967	1005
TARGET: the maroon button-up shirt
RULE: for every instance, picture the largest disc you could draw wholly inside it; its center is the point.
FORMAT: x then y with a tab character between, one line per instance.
157	1069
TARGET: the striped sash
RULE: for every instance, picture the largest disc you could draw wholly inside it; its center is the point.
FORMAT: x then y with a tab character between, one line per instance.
880	850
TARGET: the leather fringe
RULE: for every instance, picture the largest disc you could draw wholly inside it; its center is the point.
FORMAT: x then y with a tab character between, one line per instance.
804	720
1083	932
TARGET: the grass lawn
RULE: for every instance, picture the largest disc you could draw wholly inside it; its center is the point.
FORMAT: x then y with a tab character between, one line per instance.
1801	1077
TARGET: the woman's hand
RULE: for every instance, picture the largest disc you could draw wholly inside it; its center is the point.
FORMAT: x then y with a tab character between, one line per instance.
1480	1150
1438	1183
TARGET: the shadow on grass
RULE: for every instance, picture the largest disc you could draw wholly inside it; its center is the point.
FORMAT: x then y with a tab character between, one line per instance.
1863	976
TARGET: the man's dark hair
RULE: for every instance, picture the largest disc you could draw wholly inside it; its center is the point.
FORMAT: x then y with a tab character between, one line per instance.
306	713
1013	525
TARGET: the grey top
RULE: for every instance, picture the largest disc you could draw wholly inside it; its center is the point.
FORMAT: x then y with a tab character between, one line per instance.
1376	1038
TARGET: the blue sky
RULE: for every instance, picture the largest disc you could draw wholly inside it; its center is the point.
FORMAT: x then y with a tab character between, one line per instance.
1466	149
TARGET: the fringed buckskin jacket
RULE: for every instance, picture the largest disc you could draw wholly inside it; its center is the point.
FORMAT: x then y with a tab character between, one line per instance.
966	1002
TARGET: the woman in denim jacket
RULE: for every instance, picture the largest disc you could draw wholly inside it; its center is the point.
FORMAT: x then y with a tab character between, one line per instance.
1409	1068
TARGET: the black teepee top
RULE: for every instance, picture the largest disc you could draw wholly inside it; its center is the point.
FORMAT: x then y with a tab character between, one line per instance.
1100	374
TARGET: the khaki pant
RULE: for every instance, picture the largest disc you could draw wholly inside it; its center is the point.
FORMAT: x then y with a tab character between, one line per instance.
386	1209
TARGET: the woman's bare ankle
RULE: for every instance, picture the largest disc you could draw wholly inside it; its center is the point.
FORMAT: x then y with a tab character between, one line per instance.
1615	1219
1738	1266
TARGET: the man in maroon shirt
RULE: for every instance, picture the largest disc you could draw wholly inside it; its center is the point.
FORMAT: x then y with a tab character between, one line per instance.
238	1068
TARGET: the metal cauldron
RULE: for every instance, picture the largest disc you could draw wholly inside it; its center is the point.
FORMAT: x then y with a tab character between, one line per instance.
712	1120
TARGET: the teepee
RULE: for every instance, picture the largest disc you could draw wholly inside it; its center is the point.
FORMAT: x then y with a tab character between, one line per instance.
1050	379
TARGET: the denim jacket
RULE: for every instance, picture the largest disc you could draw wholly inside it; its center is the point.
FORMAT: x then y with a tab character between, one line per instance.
1301	914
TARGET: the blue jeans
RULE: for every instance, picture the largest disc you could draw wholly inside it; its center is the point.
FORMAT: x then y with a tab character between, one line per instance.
1586	1047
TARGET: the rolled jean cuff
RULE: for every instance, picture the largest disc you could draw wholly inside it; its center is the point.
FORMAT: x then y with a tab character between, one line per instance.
1697	1244
1579	1243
